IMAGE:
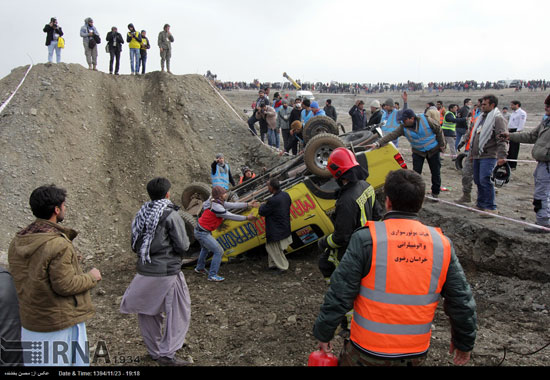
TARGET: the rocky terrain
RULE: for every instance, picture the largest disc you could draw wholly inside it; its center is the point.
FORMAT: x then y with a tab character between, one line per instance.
103	137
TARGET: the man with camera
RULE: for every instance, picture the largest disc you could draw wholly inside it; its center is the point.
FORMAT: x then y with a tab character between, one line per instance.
90	39
53	32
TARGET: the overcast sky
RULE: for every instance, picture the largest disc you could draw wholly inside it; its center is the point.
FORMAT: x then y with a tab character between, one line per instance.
312	40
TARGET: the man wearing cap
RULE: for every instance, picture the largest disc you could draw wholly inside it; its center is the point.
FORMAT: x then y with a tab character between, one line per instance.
427	142
390	115
540	137
221	173
316	110
89	34
376	113
262	99
358	116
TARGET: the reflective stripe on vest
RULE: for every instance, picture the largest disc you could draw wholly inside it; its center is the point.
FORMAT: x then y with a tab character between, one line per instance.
447	124
391	123
396	305
368	196
424	140
221	177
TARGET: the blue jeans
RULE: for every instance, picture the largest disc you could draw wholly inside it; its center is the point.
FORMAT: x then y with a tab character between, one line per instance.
273	137
483	168
208	244
459	133
135	56
51	48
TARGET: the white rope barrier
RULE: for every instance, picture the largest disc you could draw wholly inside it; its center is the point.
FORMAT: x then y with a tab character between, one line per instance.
488	213
5	104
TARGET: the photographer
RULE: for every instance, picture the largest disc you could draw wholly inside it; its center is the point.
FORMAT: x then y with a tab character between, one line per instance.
90	39
53	32
114	42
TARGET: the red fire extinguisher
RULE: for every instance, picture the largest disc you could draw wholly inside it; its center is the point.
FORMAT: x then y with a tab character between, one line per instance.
322	359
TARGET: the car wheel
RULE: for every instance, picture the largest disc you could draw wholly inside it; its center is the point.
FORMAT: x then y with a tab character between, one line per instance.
317	152
190	224
317	125
355	137
195	189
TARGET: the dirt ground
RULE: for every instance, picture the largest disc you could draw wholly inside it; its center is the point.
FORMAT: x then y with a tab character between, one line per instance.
113	134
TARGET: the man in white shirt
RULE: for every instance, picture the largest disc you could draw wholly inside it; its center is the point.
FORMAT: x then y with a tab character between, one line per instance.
515	124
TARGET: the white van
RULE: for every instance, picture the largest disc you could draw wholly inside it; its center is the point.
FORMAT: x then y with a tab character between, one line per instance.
305	95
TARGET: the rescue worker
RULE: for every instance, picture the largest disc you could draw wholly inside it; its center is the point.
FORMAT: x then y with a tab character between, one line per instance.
248	174
390	116
450	121
426	140
221	173
355	205
392	275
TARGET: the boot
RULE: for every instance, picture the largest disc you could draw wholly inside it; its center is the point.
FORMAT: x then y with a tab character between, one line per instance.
89	67
95	68
466	198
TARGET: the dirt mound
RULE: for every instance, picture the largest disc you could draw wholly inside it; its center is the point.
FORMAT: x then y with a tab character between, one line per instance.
103	137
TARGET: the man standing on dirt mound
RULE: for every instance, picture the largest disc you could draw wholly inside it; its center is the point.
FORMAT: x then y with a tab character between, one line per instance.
393	275
356	204
165	40
159	290
540	137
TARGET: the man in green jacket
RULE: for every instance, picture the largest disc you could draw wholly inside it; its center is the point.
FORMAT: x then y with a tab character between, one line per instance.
53	291
350	289
540	137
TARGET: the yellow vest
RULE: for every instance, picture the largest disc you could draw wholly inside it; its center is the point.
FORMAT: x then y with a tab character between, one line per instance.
134	43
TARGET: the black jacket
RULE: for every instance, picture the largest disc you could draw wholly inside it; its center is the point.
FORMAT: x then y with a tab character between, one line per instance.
167	248
49	30
277	216
330	111
462	120
347	213
358	118
375	118
10	324
112	37
345	285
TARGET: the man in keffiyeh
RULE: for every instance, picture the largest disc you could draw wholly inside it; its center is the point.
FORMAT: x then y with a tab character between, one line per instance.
159	289
487	150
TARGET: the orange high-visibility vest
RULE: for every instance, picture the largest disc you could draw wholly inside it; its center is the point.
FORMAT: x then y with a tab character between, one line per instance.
242	178
475	116
395	308
442	113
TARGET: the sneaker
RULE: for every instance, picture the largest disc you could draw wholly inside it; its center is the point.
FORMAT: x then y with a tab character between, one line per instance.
201	271
536	230
487	212
216	278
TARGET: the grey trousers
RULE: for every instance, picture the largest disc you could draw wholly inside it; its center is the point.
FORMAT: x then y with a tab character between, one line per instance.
542	193
467	175
165	56
91	54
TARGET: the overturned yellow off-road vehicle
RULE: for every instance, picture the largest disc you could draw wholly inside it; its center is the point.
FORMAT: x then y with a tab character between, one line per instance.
307	181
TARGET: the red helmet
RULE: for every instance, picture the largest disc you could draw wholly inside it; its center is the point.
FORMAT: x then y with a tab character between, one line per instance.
340	161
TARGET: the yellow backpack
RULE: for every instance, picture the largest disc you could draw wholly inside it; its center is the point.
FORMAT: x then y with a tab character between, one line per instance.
61	42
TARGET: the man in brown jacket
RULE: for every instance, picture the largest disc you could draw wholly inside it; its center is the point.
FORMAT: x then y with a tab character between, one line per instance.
486	151
53	291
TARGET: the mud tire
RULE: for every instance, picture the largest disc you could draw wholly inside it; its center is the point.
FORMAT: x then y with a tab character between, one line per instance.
317	125
317	152
200	188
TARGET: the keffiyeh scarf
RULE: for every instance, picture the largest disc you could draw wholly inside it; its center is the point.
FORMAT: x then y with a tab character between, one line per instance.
145	224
